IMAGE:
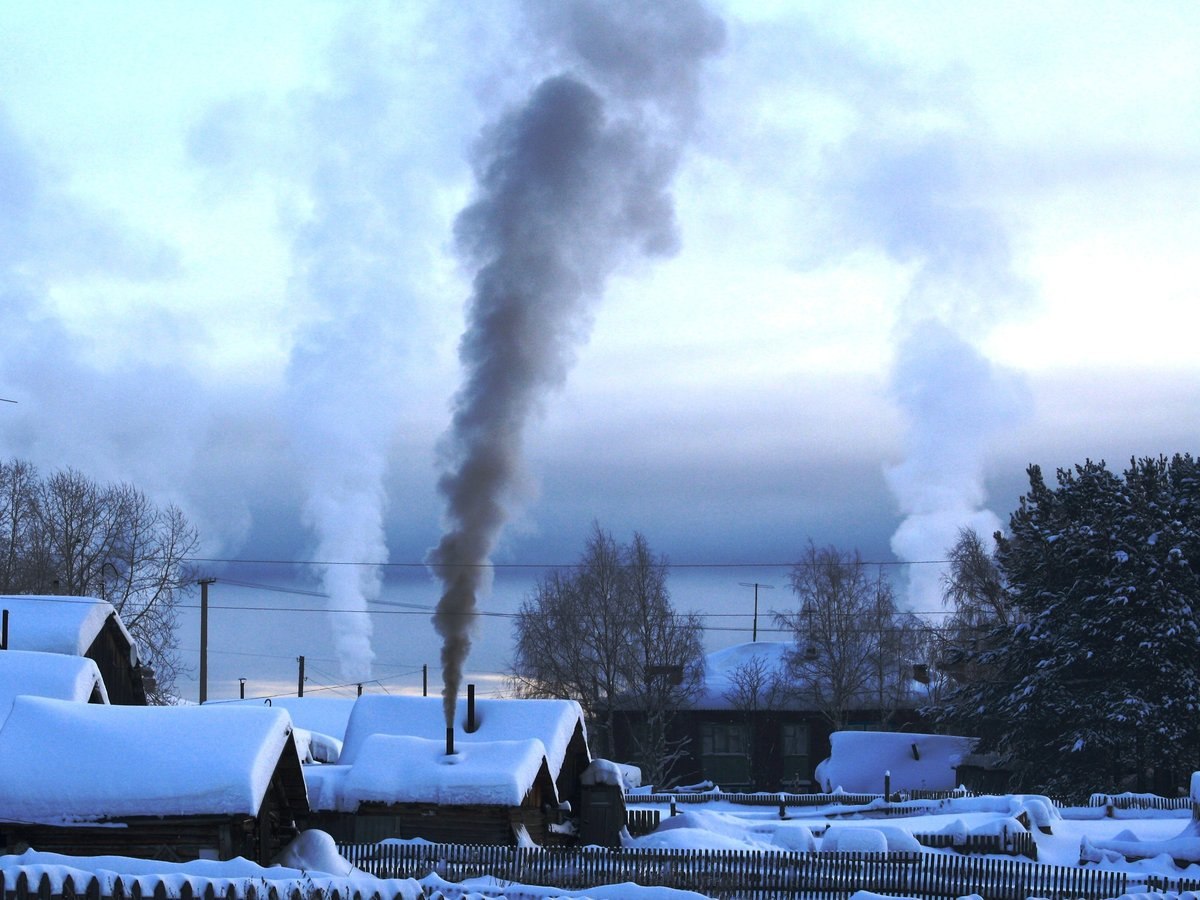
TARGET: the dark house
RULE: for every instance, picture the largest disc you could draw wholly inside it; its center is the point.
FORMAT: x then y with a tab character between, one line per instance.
511	773
79	626
741	739
171	783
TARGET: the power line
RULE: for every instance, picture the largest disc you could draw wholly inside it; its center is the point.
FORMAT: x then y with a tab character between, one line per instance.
550	565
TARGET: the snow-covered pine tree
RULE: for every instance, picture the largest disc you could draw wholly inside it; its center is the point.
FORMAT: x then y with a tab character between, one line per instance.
1097	687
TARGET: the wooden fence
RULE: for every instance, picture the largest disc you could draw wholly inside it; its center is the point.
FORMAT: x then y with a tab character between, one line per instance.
743	873
148	887
777	798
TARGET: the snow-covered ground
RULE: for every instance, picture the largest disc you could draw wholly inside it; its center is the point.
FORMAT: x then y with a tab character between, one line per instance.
711	825
726	825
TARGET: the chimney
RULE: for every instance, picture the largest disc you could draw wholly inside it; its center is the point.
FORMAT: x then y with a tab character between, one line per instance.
449	740
471	709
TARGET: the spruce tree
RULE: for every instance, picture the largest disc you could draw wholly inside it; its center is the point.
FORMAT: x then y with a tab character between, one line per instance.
1096	686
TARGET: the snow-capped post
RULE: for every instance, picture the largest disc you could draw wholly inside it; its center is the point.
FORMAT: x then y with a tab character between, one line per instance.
4	630
887	785
471	726
1195	792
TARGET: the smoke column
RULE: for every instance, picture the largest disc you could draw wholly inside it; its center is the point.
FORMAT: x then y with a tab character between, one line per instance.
956	401
568	186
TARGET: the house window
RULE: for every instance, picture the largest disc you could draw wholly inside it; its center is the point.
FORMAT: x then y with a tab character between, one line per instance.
796	766
725	749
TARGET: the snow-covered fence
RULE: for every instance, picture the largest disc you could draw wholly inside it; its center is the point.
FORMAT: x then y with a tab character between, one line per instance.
762	798
1012	843
1139	801
776	798
146	887
741	873
642	821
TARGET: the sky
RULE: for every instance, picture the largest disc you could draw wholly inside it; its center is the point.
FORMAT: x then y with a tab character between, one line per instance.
904	252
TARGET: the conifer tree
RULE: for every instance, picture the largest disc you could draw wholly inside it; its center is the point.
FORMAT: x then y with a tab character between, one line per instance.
1096	684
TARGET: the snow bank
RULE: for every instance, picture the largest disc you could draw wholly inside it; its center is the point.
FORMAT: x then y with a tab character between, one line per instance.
1184	848
71	762
859	760
314	851
853	839
309	876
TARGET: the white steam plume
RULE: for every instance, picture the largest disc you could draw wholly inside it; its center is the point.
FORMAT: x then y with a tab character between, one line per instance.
569	186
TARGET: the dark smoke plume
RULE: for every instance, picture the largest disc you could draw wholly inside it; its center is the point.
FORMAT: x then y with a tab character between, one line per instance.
568	187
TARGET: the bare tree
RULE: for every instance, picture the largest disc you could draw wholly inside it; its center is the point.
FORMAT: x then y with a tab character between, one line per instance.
755	687
851	641
974	587
606	634
69	535
669	668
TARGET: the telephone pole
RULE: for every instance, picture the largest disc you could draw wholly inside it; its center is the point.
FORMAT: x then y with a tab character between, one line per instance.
756	586
204	583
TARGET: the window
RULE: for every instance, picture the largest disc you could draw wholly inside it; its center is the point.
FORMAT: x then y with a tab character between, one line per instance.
725	753
796	766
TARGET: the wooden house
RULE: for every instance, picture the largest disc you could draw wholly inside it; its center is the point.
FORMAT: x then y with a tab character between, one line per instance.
79	626
740	734
510	772
172	783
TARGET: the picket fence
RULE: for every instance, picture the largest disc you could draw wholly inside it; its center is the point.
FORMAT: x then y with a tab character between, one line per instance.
743	873
783	798
146	887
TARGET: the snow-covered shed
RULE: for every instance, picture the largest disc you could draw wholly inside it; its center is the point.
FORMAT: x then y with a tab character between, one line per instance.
51	675
859	761
515	763
79	626
159	782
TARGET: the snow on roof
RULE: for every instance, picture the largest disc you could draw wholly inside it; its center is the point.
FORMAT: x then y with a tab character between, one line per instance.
54	624
721	667
859	759
403	769
77	762
323	715
47	675
552	722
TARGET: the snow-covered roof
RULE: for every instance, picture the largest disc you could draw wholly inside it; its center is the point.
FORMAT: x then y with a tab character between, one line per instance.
54	624
47	675
858	760
551	722
323	715
75	762
721	668
402	769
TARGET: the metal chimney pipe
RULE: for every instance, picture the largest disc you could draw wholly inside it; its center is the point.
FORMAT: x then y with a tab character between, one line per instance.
450	740
470	709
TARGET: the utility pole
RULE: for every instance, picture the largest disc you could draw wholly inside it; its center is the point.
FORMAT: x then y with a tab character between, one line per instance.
300	683
756	586
204	583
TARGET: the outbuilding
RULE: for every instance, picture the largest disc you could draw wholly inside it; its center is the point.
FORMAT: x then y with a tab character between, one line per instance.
509	774
172	783
79	626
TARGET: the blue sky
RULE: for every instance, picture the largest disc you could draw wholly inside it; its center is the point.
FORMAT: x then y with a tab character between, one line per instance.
920	247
